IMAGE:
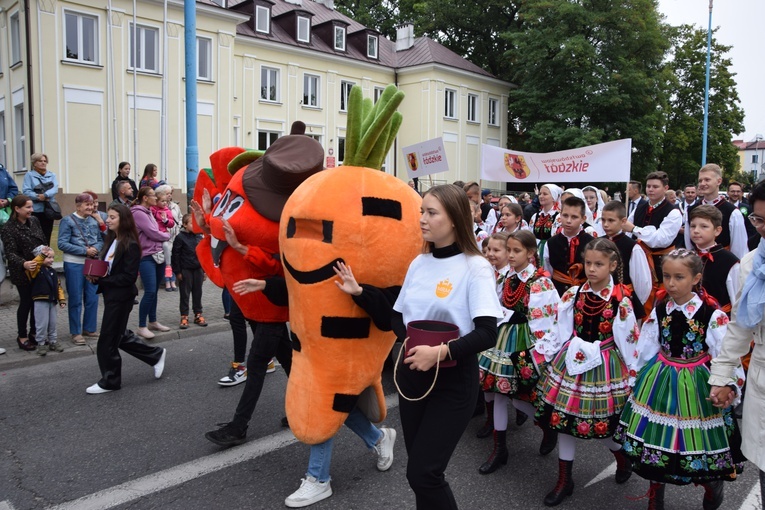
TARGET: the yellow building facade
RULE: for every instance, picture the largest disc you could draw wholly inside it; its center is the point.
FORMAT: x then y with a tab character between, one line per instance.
76	86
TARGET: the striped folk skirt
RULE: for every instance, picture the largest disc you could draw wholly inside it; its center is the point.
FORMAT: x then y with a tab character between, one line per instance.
671	432
587	405
509	367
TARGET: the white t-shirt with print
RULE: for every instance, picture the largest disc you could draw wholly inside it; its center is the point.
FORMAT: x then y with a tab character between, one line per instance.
455	289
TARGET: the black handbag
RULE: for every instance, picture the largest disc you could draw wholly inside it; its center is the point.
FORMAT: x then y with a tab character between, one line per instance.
52	210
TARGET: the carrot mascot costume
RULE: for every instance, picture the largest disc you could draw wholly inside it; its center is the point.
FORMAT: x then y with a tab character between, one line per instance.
369	220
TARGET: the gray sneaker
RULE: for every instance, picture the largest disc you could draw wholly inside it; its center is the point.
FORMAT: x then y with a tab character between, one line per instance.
55	347
384	449
42	349
311	491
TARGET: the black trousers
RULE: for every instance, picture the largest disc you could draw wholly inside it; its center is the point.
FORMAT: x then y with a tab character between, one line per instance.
46	224
270	339
239	331
191	284
115	336
433	427
25	311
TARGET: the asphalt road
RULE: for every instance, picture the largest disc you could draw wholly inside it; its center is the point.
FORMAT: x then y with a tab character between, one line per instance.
143	447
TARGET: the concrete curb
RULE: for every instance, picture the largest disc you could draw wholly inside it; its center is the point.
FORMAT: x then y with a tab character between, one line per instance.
16	358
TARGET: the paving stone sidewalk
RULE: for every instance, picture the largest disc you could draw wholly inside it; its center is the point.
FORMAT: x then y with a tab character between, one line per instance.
167	314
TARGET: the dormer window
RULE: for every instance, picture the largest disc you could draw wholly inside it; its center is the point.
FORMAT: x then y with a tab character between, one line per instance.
303	29
262	19
372	46
340	38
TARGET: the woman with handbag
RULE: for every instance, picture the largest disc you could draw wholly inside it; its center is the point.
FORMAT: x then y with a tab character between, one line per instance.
122	254
22	234
450	282
152	266
79	238
41	186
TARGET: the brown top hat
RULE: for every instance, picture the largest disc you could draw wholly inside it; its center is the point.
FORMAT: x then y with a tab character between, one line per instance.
270	180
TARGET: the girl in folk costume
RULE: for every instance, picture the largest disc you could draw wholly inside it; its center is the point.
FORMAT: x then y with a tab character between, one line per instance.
588	382
671	431
543	221
496	254
527	339
594	199
511	219
493	218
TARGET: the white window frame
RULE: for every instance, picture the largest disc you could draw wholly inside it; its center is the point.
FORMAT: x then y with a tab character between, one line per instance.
3	141
307	27
473	109
262	16
15	38
141	33
315	137
268	134
341	32
378	91
345	92
80	37
372	46
493	111
21	140
307	86
204	72
274	73
450	103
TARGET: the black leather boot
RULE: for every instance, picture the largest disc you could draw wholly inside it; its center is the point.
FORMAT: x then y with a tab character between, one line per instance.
623	467
549	440
520	417
713	494
485	431
498	456
565	485
656	496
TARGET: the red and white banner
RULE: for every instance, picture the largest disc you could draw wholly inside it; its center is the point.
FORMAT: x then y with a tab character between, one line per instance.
605	162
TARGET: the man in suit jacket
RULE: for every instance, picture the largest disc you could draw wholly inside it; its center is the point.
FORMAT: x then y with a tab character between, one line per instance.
634	198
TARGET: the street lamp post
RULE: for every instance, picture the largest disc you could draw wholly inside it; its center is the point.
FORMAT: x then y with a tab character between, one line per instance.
706	90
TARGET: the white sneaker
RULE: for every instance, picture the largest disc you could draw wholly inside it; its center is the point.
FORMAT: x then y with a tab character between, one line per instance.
160	366
156	326
311	491
2	351
384	449
271	366
145	333
96	390
237	374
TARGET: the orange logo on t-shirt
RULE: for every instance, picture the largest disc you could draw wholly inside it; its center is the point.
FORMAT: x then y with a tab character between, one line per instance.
443	288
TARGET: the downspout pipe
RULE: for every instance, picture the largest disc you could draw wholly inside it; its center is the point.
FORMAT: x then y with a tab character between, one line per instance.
192	149
30	102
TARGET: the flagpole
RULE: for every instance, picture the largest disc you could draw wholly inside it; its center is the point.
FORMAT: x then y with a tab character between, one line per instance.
706	90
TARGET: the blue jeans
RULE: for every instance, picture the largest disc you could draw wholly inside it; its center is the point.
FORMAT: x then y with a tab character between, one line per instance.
151	274
321	454
80	290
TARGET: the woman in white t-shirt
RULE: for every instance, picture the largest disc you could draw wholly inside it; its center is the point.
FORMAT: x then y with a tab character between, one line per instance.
449	282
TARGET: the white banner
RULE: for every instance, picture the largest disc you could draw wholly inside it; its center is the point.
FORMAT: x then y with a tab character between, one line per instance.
605	162
425	158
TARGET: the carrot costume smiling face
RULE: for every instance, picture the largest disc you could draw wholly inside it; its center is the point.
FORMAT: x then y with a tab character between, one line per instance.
369	220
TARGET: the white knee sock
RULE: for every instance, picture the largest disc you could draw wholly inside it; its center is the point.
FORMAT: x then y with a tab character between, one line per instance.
566	447
500	411
524	407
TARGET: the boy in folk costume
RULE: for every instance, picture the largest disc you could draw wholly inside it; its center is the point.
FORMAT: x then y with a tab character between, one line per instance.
637	272
655	225
721	267
733	234
562	254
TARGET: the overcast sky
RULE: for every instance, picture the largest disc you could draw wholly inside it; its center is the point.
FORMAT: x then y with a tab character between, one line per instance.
741	23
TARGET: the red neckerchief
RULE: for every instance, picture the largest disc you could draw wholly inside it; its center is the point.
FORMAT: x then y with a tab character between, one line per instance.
572	246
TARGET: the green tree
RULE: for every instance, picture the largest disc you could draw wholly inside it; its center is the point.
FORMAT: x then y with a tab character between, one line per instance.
683	137
589	71
382	15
